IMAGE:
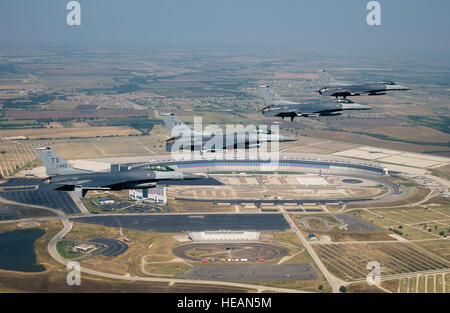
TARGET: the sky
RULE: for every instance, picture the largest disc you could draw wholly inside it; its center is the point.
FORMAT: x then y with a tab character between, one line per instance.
408	26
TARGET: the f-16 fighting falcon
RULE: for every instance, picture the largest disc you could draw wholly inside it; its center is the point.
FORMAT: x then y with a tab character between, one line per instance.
276	106
337	89
62	176
182	137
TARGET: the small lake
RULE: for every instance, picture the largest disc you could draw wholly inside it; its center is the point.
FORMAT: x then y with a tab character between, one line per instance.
17	250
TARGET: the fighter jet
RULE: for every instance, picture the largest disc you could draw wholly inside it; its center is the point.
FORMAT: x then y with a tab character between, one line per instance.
337	89
62	176
182	137
276	106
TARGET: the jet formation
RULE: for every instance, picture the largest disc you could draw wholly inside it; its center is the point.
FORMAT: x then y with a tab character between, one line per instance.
276	106
62	176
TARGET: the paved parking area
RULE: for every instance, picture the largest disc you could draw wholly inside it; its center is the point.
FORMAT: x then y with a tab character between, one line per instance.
112	248
253	273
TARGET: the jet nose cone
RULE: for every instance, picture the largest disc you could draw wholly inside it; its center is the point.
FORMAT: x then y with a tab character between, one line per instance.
364	107
397	87
190	176
287	138
267	111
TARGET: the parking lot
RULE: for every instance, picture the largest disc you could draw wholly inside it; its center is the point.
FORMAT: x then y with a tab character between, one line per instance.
20	182
191	222
112	247
59	200
253	273
8	212
353	223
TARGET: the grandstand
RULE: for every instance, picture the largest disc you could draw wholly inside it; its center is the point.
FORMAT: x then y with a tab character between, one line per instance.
297	166
225	235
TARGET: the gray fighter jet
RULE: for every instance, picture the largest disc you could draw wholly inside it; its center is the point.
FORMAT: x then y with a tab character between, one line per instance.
337	89
62	176
183	138
276	106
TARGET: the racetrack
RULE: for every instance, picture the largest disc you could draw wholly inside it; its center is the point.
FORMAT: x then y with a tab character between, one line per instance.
225	250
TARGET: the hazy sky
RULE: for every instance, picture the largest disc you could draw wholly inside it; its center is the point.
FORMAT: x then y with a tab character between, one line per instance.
415	26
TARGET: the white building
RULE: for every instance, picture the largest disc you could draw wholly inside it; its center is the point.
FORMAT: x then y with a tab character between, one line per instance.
84	246
225	235
156	194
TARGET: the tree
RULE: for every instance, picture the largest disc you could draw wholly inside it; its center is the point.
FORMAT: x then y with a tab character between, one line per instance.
343	289
320	287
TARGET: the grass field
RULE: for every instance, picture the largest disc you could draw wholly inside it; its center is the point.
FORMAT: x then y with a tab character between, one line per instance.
62	247
366	140
413	223
129	261
60	132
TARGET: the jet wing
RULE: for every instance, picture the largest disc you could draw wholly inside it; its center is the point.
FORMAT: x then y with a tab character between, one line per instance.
88	184
52	187
294	110
304	110
69	187
283	102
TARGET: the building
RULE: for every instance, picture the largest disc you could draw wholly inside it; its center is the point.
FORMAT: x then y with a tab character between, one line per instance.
225	235
138	194
84	246
105	201
156	194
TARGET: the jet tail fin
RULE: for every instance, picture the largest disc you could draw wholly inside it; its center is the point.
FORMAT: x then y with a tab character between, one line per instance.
54	164
175	125
269	95
327	80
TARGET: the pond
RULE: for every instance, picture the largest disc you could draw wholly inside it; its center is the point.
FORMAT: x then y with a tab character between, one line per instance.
17	250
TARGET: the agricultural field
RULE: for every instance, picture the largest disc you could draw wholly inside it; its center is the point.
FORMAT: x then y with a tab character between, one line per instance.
348	261
412	223
14	154
438	247
60	132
